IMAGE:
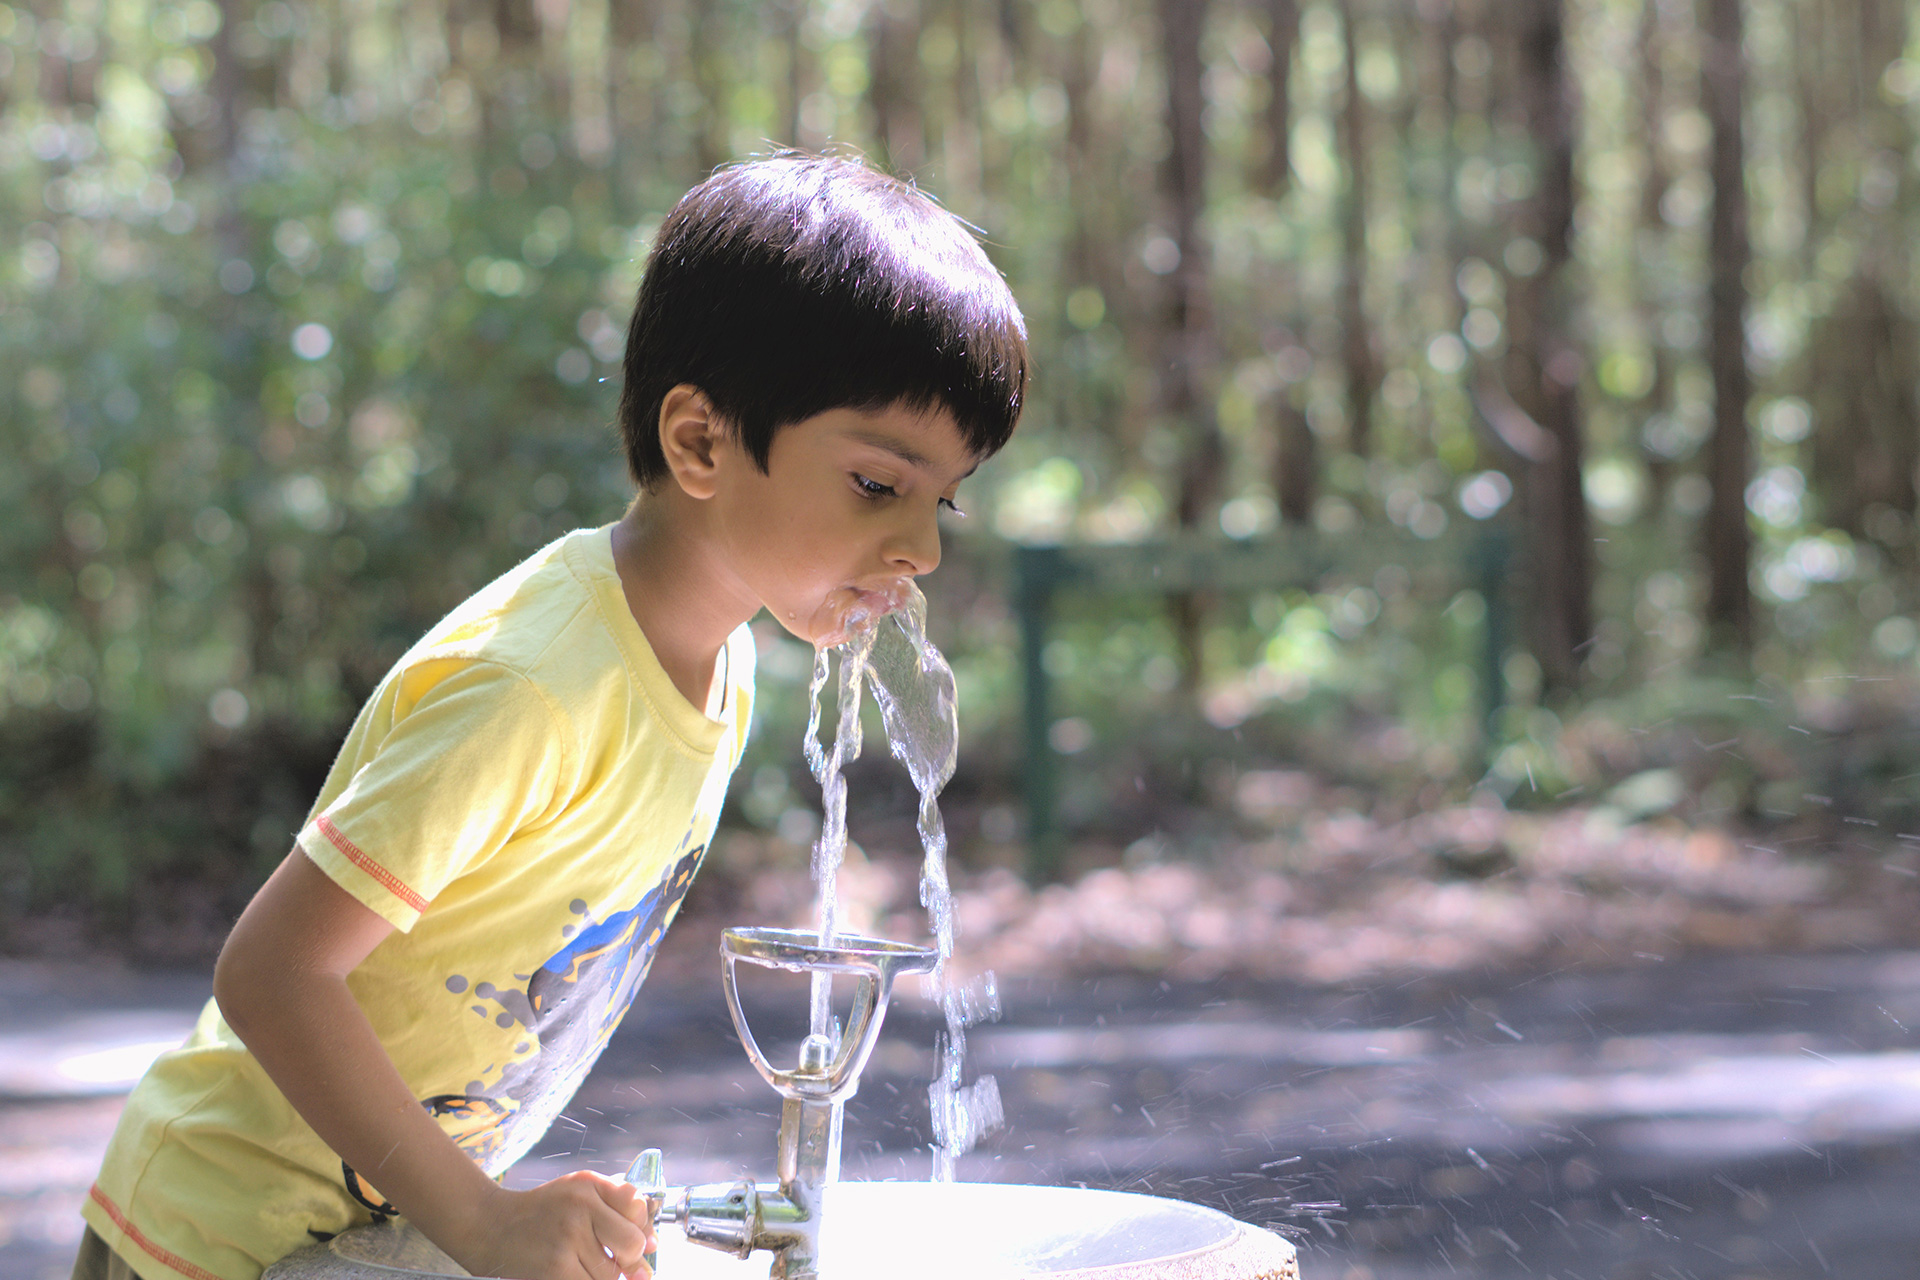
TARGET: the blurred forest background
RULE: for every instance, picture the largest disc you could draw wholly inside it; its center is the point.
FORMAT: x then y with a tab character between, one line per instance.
311	317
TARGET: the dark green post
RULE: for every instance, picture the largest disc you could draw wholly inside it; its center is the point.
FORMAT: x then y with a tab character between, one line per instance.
1035	570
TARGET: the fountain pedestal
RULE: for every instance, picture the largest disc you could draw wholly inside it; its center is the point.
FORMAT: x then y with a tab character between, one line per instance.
819	1228
931	1231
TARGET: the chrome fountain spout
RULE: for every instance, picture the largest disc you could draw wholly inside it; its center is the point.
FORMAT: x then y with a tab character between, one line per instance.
784	1216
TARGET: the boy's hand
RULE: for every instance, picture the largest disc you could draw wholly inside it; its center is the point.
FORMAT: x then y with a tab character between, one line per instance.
281	982
580	1226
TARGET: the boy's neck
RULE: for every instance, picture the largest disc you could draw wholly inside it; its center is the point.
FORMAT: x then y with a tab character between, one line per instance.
674	594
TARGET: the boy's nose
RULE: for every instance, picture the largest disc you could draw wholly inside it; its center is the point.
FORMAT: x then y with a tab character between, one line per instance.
915	549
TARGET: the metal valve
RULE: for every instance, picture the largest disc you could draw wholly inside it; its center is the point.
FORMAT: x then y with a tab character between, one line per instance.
734	1218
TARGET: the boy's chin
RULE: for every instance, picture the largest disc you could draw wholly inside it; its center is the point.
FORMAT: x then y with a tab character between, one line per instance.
848	610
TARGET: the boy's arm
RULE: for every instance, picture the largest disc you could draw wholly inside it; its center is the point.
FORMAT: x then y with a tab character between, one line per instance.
281	985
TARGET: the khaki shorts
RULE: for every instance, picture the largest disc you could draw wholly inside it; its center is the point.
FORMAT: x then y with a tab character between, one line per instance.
97	1262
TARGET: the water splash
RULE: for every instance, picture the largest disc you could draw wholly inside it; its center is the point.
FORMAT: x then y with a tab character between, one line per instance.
919	706
914	688
962	1113
829	770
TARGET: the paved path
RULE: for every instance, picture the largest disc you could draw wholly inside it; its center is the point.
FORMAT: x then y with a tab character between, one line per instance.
73	1038
1709	1119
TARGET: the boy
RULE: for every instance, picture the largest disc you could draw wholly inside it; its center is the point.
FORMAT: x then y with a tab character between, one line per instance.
818	356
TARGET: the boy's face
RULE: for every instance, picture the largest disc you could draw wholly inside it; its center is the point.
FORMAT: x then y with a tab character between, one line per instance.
846	512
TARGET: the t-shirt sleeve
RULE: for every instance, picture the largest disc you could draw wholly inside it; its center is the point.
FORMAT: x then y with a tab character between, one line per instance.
473	755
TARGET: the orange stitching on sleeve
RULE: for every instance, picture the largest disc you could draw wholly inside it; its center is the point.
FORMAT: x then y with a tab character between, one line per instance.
165	1256
354	854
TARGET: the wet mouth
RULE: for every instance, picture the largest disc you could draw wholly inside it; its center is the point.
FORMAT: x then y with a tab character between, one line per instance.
851	609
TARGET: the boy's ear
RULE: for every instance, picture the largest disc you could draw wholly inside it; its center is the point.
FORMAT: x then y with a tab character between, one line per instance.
691	437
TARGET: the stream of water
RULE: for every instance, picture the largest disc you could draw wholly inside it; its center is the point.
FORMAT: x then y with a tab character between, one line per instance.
914	688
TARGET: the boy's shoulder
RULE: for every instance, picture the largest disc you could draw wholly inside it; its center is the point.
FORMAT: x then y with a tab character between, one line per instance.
559	622
559	593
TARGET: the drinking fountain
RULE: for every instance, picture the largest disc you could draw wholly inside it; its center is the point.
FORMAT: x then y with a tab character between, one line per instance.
784	1217
819	1228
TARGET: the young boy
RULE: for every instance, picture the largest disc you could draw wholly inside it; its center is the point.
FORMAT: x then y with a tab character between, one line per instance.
818	356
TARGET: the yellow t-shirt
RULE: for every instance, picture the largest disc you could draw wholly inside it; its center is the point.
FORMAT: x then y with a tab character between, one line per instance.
526	797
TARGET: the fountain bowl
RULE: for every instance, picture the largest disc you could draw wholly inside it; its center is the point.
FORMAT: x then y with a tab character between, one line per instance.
883	1230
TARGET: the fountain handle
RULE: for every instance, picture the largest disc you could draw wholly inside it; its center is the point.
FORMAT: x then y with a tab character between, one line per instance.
648	1174
733	1217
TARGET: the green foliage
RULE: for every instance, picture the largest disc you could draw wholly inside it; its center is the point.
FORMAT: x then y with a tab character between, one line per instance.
308	331
266	433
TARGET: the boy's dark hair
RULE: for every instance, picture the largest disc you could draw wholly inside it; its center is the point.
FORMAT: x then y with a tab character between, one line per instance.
786	287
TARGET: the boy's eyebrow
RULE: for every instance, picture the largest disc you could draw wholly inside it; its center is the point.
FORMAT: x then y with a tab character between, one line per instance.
906	452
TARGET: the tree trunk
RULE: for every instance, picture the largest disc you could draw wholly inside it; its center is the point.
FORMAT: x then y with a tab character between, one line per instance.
1296	468
517	24
1544	360
708	37
1189	334
1450	245
1808	24
241	340
961	149
1884	33
63	81
1084	248
1283	33
227	87
339	53
1650	48
629	106
1356	341
793	14
589	88
1902	411
1187	356
1861	374
893	88
1729	612
516	29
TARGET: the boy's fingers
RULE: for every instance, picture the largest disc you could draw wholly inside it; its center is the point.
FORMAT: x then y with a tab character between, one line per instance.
597	1265
626	1241
626	1200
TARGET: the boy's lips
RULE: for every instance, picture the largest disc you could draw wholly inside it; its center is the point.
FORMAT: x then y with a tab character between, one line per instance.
847	609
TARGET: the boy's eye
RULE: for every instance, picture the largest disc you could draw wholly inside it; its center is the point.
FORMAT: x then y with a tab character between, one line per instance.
872	488
949	505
